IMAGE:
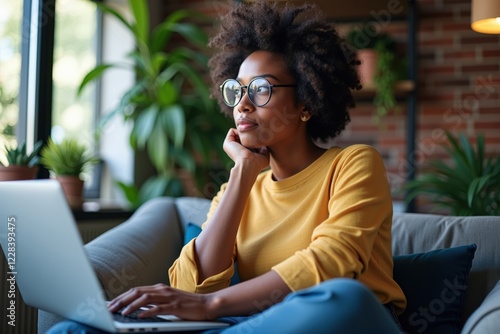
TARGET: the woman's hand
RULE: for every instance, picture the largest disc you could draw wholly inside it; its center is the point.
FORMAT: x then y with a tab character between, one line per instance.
258	158
162	299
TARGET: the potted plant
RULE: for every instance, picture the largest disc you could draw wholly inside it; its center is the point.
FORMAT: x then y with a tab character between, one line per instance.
379	67
173	117
67	161
469	186
20	165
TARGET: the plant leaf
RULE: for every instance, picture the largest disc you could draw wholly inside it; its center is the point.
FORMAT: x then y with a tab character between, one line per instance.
186	53
191	33
475	187
480	152
166	93
94	74
184	159
174	122
197	82
110	10
143	125
157	147
160	36
131	193
141	15
155	186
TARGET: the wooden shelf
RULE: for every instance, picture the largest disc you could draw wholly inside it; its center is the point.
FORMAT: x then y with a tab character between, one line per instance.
367	10
402	88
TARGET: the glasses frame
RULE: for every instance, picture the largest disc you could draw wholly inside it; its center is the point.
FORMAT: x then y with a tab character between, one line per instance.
246	88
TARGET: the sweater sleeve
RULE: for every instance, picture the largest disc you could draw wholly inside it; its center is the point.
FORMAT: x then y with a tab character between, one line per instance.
341	246
183	273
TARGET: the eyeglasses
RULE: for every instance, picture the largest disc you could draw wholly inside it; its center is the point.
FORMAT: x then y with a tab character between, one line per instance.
259	91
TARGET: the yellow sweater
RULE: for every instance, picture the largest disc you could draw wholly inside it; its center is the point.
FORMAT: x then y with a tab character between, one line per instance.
332	219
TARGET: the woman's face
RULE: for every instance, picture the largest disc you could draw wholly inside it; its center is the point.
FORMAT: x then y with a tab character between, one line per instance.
278	122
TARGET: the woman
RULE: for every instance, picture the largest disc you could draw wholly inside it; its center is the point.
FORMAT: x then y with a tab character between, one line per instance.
310	228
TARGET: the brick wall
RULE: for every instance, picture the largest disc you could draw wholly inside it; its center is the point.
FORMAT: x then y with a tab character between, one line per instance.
459	91
459	87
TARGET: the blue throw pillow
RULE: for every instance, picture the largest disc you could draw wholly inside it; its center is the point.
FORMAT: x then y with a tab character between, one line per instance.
434	284
192	231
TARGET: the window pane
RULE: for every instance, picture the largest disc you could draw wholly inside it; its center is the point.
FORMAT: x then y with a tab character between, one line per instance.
10	67
74	55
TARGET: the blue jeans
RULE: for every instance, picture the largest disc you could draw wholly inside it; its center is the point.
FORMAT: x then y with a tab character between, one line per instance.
334	306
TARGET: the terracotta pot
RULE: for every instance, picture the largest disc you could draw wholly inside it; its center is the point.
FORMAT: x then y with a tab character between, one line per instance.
15	172
368	67
73	189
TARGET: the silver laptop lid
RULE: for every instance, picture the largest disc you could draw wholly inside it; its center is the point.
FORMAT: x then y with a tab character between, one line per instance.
40	239
45	253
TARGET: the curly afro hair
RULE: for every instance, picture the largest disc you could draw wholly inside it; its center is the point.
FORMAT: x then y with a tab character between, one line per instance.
323	65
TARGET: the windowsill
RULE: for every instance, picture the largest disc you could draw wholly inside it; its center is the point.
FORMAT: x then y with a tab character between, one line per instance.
98	210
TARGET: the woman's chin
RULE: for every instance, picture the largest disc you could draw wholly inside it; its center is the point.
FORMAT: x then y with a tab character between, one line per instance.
250	144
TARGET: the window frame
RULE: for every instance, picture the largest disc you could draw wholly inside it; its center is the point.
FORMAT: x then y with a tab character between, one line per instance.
35	91
35	98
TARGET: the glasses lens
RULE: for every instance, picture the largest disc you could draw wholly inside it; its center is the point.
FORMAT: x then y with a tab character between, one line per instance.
259	91
231	92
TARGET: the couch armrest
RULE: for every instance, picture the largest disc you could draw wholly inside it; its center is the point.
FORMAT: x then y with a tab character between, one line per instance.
137	252
486	319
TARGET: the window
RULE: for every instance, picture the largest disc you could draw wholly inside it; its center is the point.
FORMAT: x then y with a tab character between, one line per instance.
43	58
75	45
75	53
10	67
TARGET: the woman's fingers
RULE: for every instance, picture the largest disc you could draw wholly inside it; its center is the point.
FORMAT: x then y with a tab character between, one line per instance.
161	299
259	157
127	300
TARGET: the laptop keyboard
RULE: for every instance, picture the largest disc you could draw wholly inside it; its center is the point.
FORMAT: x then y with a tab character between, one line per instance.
133	317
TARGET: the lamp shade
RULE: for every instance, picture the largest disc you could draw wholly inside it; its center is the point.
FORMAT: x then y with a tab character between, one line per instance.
485	16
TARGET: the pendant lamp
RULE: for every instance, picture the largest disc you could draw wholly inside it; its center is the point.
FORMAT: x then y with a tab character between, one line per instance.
485	16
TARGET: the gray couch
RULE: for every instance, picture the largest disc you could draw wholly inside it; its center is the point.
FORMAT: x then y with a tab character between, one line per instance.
140	251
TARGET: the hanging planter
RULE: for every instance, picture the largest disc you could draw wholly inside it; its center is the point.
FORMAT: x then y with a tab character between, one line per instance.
368	67
379	69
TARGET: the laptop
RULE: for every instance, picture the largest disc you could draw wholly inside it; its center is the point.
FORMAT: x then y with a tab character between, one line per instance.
44	252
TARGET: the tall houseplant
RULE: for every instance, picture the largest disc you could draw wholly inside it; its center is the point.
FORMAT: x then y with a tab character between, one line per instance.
173	117
469	186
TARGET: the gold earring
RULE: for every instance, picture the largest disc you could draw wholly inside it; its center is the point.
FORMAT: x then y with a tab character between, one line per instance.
304	118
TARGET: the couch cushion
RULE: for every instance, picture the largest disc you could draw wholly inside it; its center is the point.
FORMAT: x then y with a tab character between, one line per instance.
192	231
138	251
192	210
486	319
416	233
434	284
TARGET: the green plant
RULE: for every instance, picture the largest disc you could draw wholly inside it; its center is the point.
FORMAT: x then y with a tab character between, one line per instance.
7	110
386	76
69	157
173	117
470	186
387	69
19	157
